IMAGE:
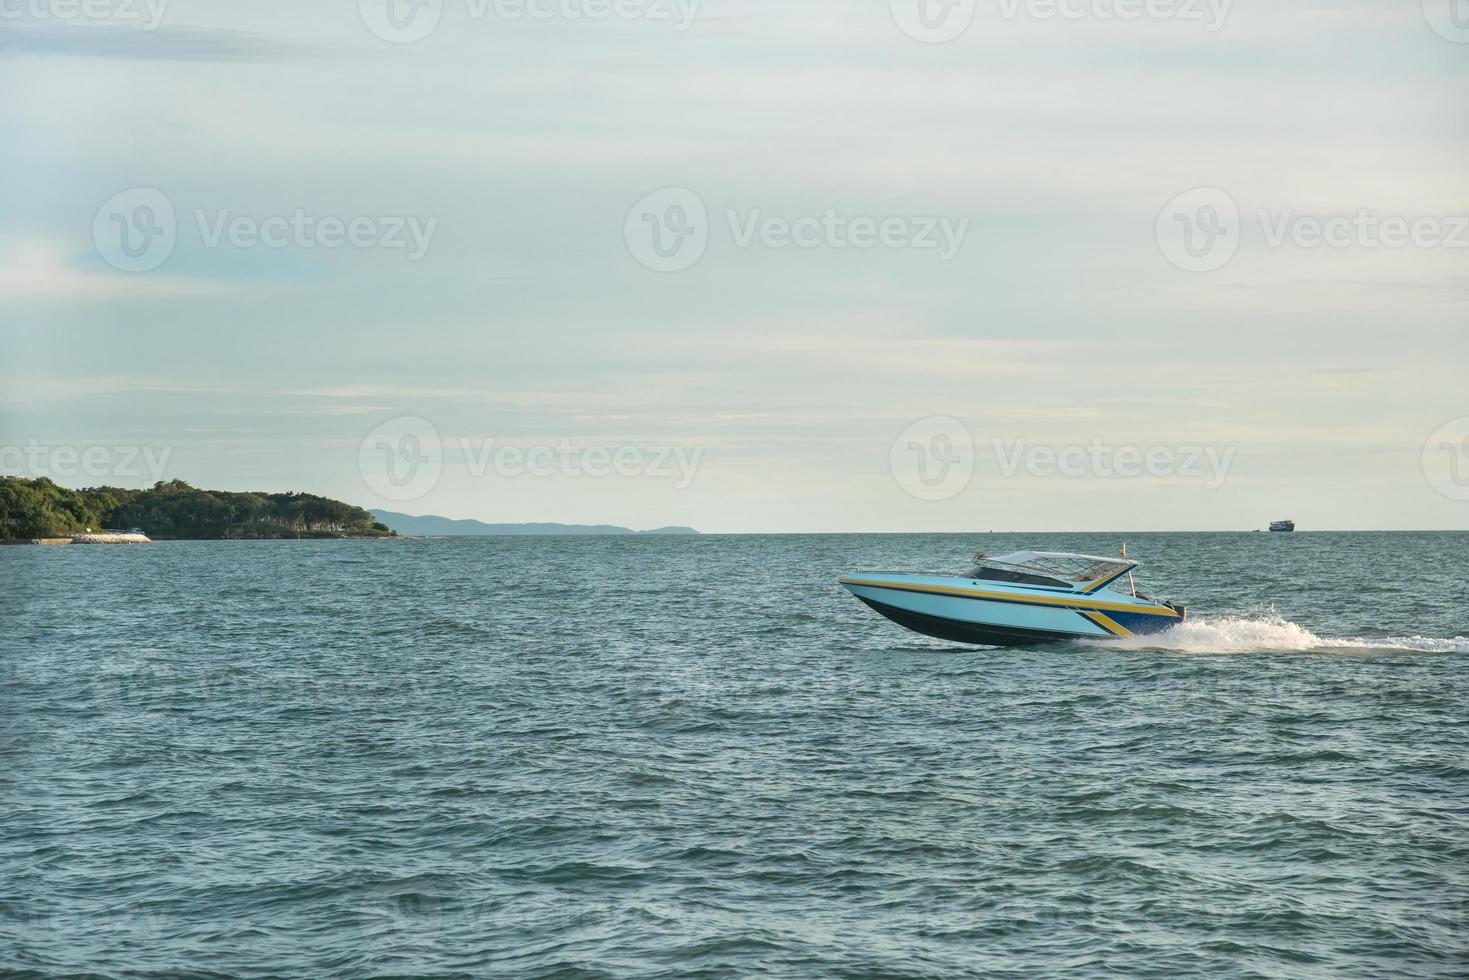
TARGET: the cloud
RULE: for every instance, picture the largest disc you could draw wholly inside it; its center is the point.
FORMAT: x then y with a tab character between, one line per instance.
164	44
51	271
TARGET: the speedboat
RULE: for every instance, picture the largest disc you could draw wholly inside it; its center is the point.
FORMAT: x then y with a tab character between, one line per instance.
1020	598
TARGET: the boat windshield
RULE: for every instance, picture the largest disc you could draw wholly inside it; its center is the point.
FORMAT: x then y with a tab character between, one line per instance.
1047	568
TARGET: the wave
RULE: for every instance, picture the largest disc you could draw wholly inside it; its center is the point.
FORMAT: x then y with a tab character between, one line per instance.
1273	633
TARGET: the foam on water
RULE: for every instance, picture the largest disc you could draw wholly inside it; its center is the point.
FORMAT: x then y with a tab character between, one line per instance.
1233	634
1273	633
1420	644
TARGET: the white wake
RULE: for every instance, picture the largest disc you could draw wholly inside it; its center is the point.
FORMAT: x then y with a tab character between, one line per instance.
1273	633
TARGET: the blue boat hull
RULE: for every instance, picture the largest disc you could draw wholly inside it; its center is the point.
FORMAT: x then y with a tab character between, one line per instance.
971	611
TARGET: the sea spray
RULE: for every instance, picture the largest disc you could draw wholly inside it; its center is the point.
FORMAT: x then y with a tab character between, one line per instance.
1272	633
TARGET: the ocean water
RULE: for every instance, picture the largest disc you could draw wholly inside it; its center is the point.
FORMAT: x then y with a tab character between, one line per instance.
700	757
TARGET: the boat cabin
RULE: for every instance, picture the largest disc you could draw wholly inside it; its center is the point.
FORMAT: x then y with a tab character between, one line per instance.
1056	570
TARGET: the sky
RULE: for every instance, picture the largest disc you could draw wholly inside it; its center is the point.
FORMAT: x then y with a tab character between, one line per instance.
748	266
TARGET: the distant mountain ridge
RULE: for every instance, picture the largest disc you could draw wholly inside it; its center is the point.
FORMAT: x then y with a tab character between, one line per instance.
430	525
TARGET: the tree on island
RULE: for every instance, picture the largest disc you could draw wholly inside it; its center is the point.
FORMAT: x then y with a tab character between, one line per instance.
173	509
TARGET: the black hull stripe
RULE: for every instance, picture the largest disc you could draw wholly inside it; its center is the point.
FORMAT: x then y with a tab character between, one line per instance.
959	631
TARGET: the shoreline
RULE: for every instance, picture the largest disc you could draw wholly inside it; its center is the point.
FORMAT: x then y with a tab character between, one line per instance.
86	539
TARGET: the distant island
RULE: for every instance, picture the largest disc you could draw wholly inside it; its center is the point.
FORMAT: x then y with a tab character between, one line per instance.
431	526
34	509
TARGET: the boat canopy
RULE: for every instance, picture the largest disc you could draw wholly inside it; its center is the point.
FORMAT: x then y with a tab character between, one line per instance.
1064	565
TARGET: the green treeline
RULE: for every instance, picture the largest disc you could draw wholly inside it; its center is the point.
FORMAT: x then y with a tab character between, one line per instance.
39	508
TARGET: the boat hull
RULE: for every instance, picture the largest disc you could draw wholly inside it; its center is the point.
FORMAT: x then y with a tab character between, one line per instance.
964	631
970	611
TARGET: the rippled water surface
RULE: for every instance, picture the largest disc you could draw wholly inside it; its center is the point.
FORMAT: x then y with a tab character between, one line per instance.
698	756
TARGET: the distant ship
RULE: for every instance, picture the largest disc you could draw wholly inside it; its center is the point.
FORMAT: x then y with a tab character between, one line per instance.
1282	527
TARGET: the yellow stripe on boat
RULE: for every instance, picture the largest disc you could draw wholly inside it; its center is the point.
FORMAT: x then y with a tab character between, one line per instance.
1102	583
1107	623
1028	600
